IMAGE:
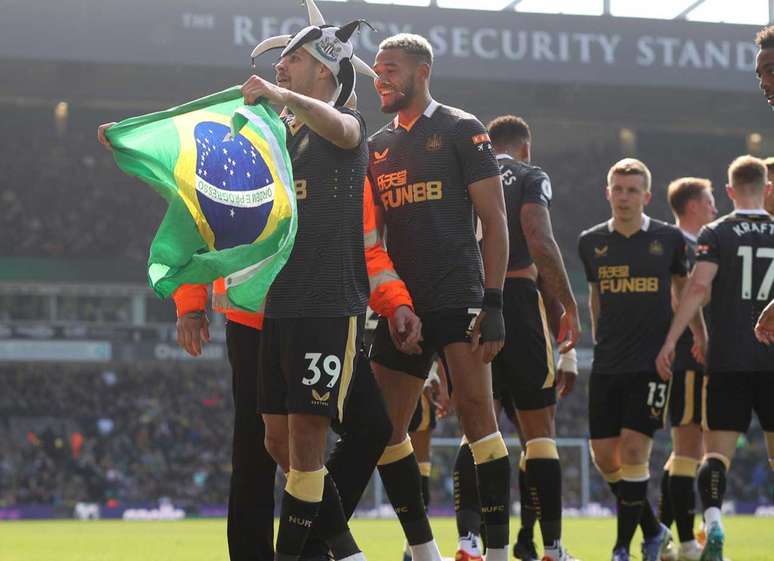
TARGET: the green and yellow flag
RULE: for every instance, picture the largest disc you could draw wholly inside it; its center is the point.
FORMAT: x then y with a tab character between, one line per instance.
225	172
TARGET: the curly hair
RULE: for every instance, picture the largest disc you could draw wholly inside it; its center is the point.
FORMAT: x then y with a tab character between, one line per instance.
412	44
509	129
765	38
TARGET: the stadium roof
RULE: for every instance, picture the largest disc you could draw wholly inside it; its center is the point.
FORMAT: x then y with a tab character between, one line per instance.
753	12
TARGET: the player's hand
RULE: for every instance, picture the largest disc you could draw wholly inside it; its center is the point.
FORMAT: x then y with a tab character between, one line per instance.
101	135
699	349
406	330
569	330
439	395
193	329
664	360
488	334
566	373
764	328
256	87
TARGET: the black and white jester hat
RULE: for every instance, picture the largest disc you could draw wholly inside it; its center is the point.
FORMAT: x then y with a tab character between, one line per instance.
329	44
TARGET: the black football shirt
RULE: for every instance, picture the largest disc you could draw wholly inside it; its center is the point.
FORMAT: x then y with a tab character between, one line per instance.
325	275
634	276
741	244
420	176
522	184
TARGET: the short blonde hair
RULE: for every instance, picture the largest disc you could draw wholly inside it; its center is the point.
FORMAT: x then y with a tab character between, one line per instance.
410	43
747	172
686	189
630	166
769	163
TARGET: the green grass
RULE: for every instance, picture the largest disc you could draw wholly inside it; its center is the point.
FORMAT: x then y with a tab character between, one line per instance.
748	539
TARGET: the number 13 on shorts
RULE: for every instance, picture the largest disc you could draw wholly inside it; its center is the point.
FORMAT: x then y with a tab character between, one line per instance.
657	394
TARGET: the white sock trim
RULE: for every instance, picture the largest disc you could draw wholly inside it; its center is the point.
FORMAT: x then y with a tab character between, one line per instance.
427	551
712	514
499	554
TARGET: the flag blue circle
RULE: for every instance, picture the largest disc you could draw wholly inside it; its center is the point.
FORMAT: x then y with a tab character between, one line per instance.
226	169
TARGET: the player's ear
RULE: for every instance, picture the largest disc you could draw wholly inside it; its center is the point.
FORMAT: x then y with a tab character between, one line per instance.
607	192
525	152
730	192
648	196
423	71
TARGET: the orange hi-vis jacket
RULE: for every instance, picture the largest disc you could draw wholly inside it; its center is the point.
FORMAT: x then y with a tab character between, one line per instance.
387	290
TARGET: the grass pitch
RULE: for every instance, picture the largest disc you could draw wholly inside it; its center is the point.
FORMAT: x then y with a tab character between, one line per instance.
747	539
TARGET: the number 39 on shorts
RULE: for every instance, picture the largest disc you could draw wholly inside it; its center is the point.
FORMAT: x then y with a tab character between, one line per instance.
330	364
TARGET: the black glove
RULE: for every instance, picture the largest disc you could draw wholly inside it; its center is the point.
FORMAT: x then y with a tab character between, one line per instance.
492	326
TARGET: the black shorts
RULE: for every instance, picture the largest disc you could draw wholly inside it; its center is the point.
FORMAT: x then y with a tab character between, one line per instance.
523	371
424	415
729	399
685	400
307	364
636	402
439	329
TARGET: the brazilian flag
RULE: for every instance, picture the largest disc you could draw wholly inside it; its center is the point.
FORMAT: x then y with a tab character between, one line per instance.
225	172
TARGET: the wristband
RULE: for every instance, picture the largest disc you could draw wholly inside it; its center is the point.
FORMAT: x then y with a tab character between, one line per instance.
493	298
568	362
432	378
196	314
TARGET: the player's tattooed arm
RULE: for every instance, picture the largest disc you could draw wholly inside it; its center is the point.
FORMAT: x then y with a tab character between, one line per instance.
554	308
695	295
342	129
567	366
536	223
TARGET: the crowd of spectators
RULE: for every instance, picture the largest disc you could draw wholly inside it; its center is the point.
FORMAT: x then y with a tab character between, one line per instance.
63	196
67	198
120	435
134	433
126	434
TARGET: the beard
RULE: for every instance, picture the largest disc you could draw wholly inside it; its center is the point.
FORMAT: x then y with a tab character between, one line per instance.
402	99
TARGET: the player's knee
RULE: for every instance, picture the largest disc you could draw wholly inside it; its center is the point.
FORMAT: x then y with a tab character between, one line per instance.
634	453
606	463
477	416
278	449
542	449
